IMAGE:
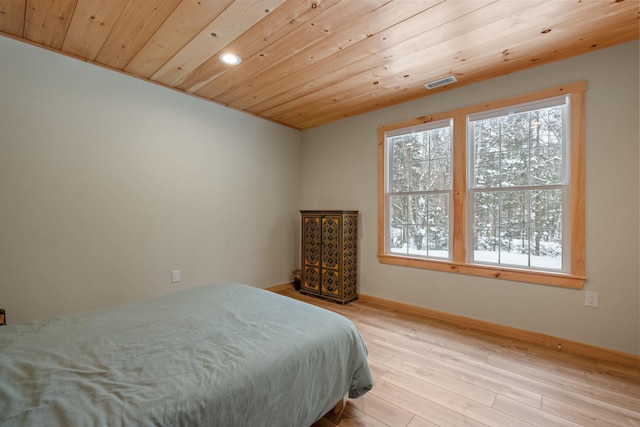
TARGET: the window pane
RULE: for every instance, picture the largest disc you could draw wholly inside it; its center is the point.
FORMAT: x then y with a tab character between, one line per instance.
417	240
520	228
514	131
417	224
514	246
515	227
487	136
418	209
487	172
399	209
486	209
438	213
438	225
419	148
399	180
515	168
440	143
421	161
546	165
438	242
440	150
400	155
514	209
440	174
546	125
419	176
398	239
518	149
546	232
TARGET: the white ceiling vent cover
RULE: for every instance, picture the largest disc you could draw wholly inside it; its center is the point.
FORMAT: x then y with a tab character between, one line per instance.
437	83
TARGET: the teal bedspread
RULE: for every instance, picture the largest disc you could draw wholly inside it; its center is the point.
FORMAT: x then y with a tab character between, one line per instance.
220	355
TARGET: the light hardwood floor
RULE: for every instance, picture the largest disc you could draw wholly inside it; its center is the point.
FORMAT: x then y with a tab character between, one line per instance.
429	373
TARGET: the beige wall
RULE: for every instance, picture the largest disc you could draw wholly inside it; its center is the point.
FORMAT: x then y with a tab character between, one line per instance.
107	183
339	171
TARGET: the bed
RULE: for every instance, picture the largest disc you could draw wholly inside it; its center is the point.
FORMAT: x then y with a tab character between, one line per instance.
220	355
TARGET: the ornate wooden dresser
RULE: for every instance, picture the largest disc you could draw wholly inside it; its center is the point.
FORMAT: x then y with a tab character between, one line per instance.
329	254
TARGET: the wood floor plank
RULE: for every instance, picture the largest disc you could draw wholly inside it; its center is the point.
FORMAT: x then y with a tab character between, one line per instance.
533	415
377	370
609	382
452	401
422	407
419	422
388	413
554	374
589	416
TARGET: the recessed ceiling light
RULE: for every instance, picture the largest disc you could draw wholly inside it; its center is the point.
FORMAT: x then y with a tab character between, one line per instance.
230	58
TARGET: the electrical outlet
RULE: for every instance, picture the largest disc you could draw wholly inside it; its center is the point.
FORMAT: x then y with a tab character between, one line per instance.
591	299
175	276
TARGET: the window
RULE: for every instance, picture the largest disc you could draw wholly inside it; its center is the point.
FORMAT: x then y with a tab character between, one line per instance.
518	185
495	190
420	185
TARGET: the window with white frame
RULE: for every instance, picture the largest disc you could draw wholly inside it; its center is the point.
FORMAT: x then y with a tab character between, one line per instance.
419	190
518	184
494	190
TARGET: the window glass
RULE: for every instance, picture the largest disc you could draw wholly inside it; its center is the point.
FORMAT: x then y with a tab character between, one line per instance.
517	185
420	182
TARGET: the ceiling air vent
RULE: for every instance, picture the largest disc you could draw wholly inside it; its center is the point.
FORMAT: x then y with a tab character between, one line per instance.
437	83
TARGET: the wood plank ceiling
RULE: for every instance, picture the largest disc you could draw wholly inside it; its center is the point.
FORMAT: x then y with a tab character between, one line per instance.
310	62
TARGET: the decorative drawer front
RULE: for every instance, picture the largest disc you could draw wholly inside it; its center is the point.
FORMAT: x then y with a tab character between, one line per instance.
312	241
331	283
311	280
331	242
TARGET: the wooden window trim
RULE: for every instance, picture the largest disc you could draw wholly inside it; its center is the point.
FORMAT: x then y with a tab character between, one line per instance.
576	278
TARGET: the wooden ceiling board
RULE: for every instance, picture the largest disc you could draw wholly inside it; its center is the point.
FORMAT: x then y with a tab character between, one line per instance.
310	62
93	21
46	21
138	22
188	20
276	25
12	17
239	17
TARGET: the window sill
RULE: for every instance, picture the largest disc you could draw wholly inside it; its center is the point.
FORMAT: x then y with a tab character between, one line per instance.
527	276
